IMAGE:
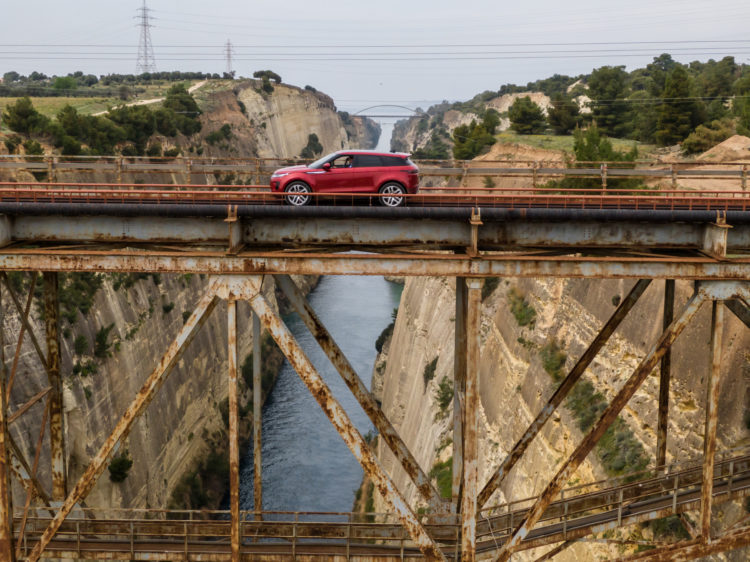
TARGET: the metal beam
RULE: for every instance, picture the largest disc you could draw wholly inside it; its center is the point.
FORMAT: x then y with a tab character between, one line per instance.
712	419
234	445
562	391
56	421
340	420
607	418
471	422
664	377
432	264
21	334
358	388
6	496
689	550
257	418
24	320
459	391
740	310
153	383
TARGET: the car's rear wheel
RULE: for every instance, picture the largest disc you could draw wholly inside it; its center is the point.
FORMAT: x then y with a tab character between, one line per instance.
392	194
298	193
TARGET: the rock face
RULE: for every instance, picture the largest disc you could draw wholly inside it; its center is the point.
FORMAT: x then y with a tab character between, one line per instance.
284	119
514	385
181	425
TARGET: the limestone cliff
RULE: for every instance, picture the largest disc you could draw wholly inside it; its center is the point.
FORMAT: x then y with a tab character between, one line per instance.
514	384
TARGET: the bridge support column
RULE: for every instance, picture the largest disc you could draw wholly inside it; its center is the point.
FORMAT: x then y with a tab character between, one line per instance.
471	422
712	419
56	421
664	379
459	392
358	388
234	446
340	420
7	551
605	421
257	419
563	390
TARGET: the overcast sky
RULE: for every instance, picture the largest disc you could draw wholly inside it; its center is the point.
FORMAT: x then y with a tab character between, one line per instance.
412	53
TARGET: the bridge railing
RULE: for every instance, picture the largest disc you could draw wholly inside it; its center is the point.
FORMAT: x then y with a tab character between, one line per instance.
190	170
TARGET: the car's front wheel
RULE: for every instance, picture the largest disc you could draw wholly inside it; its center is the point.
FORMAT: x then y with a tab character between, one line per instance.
392	194
298	193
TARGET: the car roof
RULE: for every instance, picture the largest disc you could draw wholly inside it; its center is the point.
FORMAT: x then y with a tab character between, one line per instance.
378	152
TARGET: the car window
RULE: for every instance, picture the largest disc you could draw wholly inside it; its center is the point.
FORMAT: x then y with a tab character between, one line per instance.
320	161
393	161
343	161
367	161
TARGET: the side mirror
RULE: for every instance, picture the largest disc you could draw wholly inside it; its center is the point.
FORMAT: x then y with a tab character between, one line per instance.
327	166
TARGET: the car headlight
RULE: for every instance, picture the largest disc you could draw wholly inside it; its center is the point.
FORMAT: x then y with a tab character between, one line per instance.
277	175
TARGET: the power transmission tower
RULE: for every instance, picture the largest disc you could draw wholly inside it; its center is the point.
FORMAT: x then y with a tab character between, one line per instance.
228	50
146	61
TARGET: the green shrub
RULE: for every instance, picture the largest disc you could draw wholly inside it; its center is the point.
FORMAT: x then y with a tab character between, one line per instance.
80	345
384	335
167	307
443	475
120	467
172	152
553	360
444	395
12	142
33	147
522	311
154	149
313	147
101	345
429	371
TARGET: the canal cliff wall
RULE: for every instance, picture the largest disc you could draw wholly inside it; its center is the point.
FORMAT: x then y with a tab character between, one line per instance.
514	383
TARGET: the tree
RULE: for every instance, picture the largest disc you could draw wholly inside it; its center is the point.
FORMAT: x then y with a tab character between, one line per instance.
470	140
526	117
10	77
592	146
741	104
313	147
678	114
563	115
608	88
22	117
65	83
491	120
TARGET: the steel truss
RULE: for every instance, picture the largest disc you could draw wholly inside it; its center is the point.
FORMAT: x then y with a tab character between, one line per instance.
468	494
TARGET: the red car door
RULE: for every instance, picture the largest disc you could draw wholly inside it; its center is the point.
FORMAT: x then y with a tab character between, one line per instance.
366	168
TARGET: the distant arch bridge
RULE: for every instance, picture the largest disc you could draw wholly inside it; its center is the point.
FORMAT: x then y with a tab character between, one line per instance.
412	112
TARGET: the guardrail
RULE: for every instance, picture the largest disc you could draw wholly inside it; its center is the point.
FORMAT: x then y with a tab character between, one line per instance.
259	169
579	510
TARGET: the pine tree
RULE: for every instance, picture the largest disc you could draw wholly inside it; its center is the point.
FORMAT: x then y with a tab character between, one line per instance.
676	113
608	88
563	116
526	117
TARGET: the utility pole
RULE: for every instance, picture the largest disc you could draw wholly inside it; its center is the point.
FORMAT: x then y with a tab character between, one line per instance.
146	61
228	50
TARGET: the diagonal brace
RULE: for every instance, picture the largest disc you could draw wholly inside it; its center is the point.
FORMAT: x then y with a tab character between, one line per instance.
607	418
562	391
359	390
739	309
340	420
143	398
24	320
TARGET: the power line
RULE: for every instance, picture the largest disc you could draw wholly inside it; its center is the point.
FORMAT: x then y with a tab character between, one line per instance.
146	61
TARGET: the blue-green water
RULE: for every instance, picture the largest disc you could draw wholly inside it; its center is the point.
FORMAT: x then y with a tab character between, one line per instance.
306	465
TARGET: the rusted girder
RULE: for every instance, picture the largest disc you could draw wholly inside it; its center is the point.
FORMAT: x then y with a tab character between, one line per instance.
739	309
257	418
471	422
24	320
562	391
158	260
31	401
234	445
340	420
56	421
154	381
6	496
549	555
21	468
664	378
21	334
358	388
606	419
459	391
712	420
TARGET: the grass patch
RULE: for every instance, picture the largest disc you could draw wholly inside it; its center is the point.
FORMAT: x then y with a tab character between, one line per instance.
565	142
522	311
443	474
553	360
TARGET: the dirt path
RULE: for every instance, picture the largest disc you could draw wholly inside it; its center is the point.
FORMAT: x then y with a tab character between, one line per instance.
191	89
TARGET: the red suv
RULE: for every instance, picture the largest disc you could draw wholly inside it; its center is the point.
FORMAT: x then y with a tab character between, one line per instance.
391	174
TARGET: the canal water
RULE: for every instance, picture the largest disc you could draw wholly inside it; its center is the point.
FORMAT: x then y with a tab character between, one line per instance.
306	465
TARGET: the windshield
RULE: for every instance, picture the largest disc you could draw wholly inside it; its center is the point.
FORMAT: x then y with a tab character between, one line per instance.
318	163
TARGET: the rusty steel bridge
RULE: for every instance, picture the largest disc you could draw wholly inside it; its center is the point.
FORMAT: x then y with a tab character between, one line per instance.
243	236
